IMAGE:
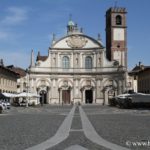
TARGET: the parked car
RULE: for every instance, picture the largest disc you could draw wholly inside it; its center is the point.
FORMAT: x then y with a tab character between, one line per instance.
5	104
1	109
129	100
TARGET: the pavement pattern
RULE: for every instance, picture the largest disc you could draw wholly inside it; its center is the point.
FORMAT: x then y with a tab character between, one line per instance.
89	127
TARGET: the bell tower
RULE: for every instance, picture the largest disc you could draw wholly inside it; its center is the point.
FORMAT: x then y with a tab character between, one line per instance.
116	35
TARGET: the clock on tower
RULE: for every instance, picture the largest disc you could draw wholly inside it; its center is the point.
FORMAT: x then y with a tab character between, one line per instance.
116	35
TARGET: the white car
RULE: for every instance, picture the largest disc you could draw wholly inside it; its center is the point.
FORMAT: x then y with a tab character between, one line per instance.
129	100
5	104
8	105
1	107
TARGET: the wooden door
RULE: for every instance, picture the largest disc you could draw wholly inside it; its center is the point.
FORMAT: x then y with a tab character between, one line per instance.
66	96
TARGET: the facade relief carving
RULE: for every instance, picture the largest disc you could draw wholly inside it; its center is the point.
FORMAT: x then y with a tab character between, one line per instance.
76	41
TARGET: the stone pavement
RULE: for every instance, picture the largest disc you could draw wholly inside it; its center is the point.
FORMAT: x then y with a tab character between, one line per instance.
21	127
89	127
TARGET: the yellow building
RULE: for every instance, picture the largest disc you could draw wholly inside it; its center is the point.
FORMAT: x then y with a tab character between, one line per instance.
8	79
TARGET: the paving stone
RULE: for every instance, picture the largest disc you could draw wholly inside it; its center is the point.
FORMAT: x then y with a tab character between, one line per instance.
121	127
76	147
21	127
77	138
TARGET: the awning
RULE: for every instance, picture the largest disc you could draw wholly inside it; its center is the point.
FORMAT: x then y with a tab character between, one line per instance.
23	94
26	94
9	95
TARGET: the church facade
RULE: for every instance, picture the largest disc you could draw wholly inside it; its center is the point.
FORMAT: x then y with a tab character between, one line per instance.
79	69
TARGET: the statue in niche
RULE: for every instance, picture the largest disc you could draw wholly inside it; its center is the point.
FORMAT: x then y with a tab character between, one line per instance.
99	60
77	61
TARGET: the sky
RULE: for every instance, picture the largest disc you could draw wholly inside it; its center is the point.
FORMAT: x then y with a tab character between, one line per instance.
30	24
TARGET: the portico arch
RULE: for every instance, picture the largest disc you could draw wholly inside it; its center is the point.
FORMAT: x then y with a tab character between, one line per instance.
88	91
65	91
43	97
43	91
109	90
43	87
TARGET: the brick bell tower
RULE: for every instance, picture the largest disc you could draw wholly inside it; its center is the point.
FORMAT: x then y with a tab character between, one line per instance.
116	35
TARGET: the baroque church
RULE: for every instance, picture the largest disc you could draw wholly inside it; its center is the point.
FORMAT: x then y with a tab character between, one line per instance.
79	68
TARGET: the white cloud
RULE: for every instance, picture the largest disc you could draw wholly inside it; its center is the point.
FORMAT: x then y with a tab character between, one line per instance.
11	16
15	15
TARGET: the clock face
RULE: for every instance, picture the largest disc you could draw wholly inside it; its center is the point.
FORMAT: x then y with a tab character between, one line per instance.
119	34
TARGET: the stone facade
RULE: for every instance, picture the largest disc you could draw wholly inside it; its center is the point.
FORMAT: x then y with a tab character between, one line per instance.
76	70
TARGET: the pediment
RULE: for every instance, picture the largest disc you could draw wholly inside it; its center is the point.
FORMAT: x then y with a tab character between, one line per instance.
77	41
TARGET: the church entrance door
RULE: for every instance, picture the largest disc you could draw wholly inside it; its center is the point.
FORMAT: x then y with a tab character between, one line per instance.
66	96
43	97
88	96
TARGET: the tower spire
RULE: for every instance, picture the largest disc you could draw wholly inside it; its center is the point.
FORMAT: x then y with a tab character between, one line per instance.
32	58
53	38
99	37
71	24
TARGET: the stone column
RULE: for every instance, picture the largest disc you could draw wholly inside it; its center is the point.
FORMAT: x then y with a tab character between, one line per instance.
106	97
48	100
119	87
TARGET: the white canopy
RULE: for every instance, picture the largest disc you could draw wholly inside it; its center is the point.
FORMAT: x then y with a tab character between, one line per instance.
23	94
26	94
9	94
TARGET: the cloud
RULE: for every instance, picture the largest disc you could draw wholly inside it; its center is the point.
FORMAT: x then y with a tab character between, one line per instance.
15	15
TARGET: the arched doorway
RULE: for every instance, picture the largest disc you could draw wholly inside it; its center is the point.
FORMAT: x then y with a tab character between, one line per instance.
89	96
43	97
109	92
66	96
65	91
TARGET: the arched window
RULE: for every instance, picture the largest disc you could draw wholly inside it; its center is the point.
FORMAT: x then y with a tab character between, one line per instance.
65	62
88	62
118	20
